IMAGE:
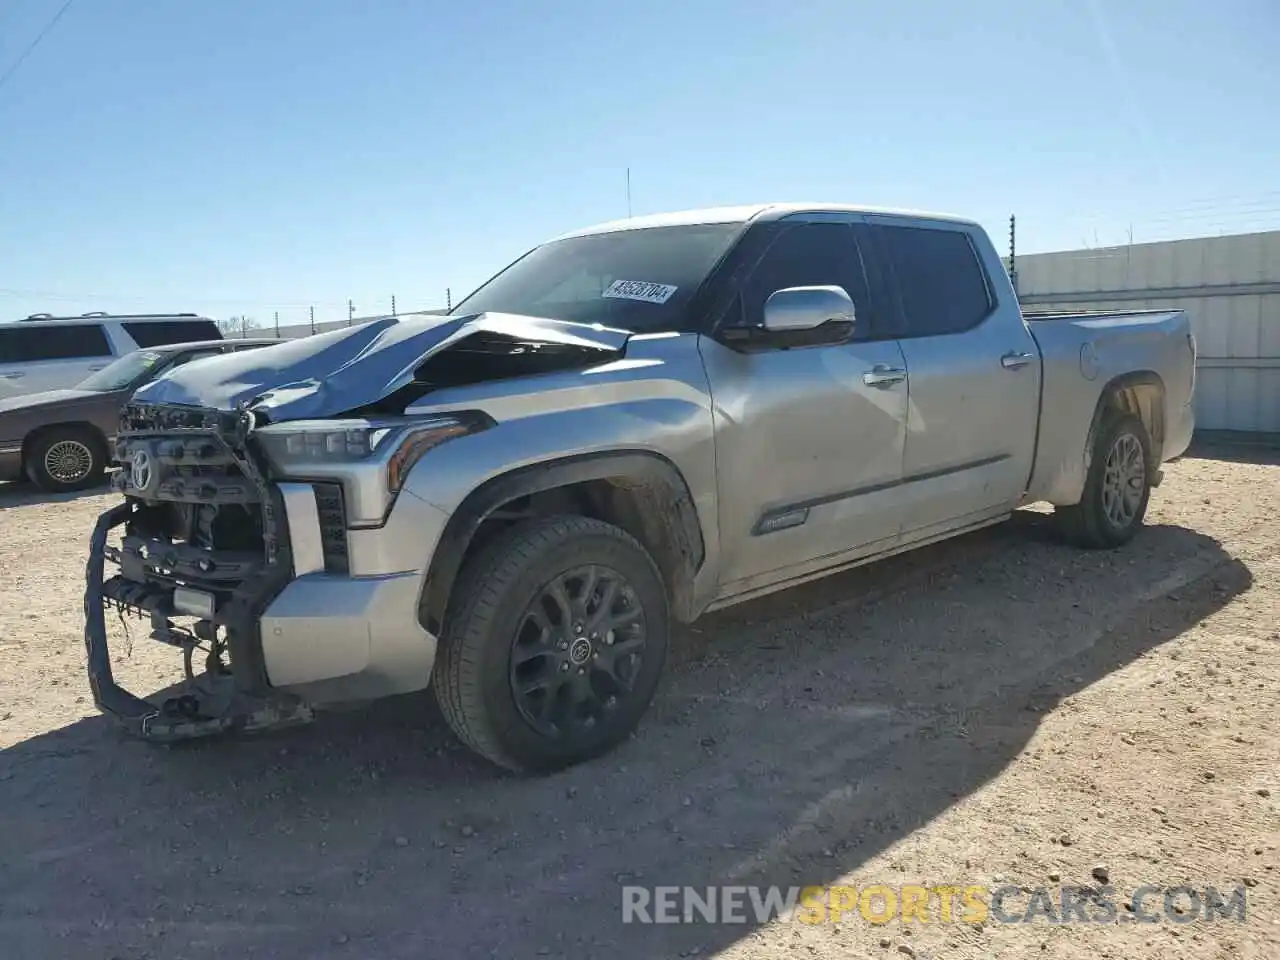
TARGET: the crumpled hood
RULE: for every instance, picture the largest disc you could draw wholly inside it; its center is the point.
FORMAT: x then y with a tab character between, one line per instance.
29	400
330	373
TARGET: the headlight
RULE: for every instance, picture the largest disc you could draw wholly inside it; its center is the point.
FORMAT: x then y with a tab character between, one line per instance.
329	448
339	443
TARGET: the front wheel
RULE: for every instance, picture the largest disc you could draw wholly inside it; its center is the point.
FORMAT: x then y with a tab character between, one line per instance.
553	644
1116	490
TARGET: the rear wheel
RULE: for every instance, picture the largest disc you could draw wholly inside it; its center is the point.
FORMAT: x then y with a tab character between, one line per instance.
553	644
66	458
1116	490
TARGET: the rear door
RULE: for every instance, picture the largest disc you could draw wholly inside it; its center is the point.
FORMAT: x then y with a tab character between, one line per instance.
36	357
974	376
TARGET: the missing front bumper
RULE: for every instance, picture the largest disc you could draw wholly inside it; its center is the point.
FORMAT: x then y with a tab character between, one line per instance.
208	705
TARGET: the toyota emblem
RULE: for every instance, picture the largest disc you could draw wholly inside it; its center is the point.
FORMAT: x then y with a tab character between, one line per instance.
140	472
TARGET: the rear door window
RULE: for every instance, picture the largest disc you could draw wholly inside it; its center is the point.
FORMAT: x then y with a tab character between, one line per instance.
157	333
32	343
194	355
940	282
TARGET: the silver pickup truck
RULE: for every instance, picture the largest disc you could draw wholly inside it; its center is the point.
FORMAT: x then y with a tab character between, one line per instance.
632	424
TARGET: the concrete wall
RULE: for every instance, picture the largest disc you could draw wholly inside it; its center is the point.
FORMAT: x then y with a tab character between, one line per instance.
1230	288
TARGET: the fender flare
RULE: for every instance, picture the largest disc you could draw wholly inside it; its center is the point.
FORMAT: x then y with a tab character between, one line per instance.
1116	386
640	468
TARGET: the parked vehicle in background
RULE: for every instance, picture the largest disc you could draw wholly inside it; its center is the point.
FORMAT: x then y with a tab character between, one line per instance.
61	439
638	422
44	352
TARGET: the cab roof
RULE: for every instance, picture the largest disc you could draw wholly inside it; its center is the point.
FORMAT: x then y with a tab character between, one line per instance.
758	211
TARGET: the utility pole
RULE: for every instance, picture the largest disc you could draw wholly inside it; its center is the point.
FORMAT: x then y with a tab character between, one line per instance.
393	306
351	312
1128	254
277	318
244	326
313	319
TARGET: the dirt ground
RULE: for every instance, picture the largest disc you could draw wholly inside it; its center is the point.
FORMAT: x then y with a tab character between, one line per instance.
998	710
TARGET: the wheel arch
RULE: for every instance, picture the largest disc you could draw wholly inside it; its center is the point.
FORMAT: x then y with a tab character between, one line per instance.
1139	392
640	491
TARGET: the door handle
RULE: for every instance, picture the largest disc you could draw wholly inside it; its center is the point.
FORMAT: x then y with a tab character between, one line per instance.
97	366
882	376
1015	361
12	376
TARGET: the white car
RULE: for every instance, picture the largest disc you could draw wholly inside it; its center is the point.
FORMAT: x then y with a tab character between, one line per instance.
44	352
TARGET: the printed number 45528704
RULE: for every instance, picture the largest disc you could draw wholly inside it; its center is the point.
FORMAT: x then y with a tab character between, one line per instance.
639	290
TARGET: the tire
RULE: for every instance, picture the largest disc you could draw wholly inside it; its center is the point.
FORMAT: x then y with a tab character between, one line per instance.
66	458
1090	523
492	644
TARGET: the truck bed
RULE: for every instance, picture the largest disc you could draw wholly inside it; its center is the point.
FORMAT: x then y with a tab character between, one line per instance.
1084	352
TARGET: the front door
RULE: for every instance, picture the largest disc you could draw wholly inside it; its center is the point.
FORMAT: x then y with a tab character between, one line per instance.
809	440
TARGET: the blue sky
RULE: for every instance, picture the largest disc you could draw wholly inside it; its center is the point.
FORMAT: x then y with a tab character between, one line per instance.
248	156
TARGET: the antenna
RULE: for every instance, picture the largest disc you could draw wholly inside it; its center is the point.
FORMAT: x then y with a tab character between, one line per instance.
351	312
277	316
628	193
393	306
1013	252
313	319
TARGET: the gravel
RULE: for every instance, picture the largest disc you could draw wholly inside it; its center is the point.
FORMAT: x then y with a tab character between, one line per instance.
939	718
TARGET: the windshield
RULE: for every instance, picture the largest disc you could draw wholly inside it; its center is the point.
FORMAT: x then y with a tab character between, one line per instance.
637	280
121	373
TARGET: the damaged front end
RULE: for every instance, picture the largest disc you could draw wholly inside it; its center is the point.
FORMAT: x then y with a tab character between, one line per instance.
201	555
383	363
242	475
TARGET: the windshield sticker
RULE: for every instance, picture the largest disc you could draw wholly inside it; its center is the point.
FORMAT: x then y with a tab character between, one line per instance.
639	290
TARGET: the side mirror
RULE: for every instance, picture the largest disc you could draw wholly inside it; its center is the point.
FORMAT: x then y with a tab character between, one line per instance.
794	309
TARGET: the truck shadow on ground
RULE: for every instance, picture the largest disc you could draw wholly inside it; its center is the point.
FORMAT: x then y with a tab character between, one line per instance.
797	738
1261	452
